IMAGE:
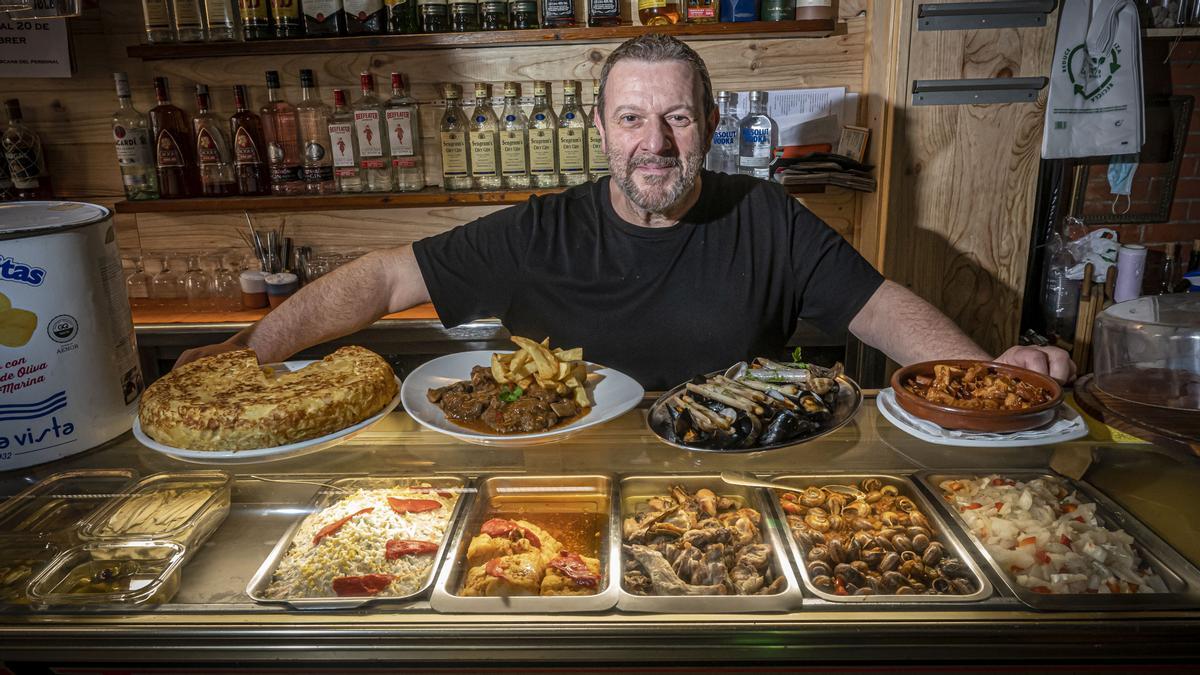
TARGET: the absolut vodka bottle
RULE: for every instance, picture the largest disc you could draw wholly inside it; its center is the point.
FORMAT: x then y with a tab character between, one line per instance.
723	155
758	137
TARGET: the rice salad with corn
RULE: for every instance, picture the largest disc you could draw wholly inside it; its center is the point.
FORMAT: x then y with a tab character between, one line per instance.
1047	539
359	546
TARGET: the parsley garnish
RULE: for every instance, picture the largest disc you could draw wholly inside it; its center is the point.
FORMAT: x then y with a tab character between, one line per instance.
508	396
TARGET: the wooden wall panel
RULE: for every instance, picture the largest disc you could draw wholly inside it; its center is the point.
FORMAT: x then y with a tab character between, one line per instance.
962	205
73	115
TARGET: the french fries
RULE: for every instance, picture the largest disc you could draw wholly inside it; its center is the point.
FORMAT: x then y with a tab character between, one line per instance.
559	370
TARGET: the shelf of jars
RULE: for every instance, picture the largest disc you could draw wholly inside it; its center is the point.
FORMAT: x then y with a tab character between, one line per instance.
809	28
334	202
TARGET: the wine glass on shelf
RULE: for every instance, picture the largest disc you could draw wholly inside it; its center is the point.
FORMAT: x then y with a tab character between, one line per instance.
196	283
226	292
137	284
167	286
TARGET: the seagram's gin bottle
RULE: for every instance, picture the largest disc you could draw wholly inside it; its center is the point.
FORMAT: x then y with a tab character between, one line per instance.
485	146
543	145
572	137
514	130
723	155
759	135
453	130
597	160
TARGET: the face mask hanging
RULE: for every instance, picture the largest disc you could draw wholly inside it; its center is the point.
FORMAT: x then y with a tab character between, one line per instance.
1120	179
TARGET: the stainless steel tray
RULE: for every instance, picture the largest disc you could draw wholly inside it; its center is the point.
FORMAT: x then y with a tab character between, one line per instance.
533	495
1180	576
324	498
849	399
635	489
941	533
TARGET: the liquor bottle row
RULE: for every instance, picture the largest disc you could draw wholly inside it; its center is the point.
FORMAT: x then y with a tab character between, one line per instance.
747	145
224	20
23	172
512	150
284	149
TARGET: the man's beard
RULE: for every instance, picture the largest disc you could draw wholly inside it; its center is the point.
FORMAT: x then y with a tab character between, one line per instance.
665	190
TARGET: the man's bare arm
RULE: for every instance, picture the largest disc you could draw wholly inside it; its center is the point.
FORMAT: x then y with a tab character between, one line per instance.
909	330
346	300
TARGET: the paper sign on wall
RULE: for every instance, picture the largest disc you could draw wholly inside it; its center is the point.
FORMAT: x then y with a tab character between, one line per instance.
34	48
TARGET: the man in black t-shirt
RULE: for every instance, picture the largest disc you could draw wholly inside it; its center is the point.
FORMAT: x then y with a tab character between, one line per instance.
661	271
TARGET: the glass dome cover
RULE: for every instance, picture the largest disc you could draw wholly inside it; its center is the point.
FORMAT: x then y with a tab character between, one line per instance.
1148	351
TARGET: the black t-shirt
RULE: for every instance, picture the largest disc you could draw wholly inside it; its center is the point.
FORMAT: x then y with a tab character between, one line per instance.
726	283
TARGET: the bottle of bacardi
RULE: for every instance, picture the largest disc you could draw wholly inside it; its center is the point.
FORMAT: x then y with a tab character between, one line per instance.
289	20
402	16
23	151
324	17
222	16
453	130
759	136
543	138
363	16
157	17
212	150
281	130
373	155
723	155
597	159
484	140
314	132
343	145
403	117
249	164
174	147
433	16
572	137
514	133
135	151
256	19
189	20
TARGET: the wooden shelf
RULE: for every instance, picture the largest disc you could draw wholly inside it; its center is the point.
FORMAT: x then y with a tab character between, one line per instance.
375	200
161	312
1172	32
504	38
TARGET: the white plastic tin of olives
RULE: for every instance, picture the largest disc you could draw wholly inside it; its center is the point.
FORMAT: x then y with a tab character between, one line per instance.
69	375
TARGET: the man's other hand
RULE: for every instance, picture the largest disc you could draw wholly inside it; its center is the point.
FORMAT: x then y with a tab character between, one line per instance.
208	350
1050	361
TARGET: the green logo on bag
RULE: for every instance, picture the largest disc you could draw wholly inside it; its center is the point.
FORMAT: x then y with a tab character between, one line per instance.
1086	71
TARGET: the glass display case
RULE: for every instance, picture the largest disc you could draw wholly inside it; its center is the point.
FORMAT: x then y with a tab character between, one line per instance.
195	576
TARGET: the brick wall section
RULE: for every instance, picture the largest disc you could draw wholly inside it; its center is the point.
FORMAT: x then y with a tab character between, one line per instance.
1180	76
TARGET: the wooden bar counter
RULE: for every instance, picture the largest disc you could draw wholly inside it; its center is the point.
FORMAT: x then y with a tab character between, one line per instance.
211	620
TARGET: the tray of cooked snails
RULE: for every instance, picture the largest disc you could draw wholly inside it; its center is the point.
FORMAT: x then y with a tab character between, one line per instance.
874	538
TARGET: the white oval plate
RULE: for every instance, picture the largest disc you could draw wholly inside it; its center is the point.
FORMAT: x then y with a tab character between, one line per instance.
1068	425
613	392
265	454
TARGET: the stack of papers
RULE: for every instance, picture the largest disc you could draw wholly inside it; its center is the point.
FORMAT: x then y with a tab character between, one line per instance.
825	169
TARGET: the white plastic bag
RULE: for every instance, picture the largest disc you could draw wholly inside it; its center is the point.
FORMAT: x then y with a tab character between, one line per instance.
1098	248
1095	103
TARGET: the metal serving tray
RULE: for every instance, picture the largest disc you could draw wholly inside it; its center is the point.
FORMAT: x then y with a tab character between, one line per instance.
192	532
1180	576
941	533
636	489
257	586
54	507
534	495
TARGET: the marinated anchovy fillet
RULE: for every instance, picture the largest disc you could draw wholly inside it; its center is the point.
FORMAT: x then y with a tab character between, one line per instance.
369	543
697	544
155	512
1049	540
868	539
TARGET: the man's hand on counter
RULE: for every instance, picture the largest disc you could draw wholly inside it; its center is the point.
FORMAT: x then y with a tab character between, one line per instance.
209	350
1050	361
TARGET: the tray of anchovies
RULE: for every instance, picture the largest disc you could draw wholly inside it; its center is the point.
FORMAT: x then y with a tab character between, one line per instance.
751	407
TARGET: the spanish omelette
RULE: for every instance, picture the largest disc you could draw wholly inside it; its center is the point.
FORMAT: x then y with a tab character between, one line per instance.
230	402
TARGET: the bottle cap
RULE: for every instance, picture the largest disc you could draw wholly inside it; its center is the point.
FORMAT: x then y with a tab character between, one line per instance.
758	96
339	97
540	88
122	81
451	92
512	89
13	108
569	87
366	81
595	87
306	78
239	95
272	79
483	90
160	89
397	81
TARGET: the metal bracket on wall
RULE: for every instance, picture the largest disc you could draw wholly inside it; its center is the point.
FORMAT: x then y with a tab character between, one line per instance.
977	91
977	15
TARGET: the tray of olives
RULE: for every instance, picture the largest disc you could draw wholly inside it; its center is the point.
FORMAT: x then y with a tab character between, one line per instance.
873	538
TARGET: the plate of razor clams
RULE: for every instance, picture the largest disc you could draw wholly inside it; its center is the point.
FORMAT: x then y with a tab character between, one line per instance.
755	406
